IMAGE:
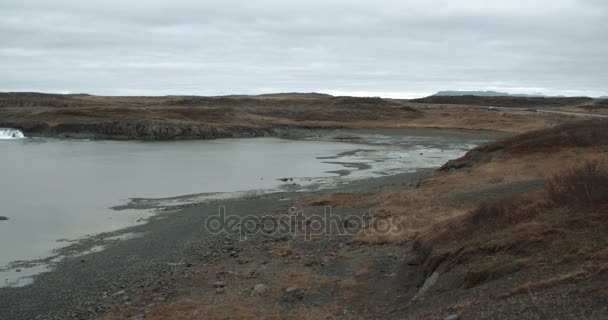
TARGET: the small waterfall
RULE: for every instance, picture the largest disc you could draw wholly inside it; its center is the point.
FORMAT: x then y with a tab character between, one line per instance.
8	133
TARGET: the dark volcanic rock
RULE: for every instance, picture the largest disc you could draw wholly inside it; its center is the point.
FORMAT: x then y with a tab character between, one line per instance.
136	130
3	218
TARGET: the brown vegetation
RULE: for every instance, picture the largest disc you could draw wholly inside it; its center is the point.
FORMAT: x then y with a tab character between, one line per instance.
582	187
193	117
578	195
576	134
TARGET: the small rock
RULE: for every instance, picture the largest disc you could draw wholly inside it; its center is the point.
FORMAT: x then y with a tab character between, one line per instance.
219	284
293	294
412	260
219	290
452	317
291	289
259	289
3	218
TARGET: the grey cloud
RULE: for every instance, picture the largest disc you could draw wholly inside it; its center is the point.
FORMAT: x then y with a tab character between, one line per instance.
397	48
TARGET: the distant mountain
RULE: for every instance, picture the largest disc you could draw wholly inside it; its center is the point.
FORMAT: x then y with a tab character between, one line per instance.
459	93
603	97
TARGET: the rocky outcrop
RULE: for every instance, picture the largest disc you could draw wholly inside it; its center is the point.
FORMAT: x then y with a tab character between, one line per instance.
145	130
136	130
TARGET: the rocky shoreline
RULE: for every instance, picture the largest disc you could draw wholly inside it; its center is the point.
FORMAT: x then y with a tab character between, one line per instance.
169	246
147	130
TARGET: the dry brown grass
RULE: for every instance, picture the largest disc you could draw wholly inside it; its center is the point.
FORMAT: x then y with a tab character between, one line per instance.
424	210
573	204
582	272
569	135
467	117
580	187
409	213
585	133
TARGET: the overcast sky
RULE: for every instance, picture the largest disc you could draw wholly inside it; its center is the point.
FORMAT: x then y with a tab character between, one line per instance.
384	48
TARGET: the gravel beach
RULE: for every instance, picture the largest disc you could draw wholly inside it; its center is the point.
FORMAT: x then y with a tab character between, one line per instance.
88	285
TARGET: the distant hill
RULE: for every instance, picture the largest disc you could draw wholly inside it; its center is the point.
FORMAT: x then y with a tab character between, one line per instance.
459	93
506	101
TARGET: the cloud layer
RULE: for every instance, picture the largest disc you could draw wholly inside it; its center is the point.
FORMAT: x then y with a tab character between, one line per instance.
383	47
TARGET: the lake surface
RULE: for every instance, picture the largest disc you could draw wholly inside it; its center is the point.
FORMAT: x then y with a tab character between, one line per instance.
55	190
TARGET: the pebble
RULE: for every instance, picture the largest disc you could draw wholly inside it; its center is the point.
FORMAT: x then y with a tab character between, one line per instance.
291	289
259	289
452	317
219	284
293	294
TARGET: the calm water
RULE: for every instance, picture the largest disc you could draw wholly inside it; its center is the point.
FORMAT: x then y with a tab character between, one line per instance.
63	189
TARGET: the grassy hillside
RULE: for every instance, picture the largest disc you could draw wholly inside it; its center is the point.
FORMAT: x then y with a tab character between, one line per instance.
194	117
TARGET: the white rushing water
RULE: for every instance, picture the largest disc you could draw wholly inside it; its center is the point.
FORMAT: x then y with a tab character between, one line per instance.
55	191
8	134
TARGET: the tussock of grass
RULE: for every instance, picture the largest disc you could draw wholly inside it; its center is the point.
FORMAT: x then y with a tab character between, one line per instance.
581	187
